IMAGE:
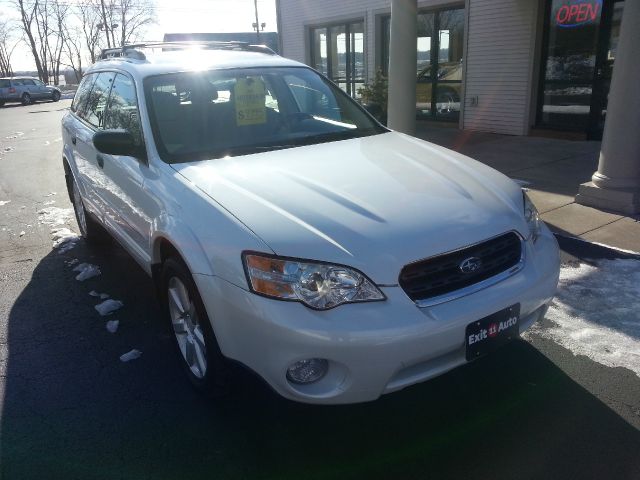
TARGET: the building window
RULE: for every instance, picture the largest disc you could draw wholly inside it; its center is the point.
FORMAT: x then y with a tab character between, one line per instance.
338	52
579	52
440	45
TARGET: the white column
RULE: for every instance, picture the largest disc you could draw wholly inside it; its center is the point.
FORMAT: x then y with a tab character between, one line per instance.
616	184
401	110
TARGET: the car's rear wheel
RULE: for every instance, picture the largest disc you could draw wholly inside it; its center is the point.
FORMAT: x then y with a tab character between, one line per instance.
90	229
26	99
195	341
55	96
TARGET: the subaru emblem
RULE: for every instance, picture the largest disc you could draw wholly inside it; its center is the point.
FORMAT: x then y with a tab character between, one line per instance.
470	265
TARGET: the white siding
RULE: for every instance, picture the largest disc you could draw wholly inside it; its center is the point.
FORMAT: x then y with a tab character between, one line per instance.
498	67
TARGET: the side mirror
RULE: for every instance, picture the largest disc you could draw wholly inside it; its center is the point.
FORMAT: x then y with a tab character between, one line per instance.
117	142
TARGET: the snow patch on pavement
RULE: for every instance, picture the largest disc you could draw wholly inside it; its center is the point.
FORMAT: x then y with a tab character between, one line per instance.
102	296
132	355
112	326
108	307
86	271
596	312
55	216
64	239
4	202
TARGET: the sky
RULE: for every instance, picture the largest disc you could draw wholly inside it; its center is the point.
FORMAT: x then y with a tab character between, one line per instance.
179	16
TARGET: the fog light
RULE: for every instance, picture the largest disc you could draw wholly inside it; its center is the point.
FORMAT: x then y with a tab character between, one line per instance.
307	371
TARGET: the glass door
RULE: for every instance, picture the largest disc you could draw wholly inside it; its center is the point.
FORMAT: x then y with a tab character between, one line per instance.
439	47
581	38
338	52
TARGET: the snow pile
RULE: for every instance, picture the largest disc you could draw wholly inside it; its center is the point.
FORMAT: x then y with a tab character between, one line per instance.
132	355
86	271
596	312
108	307
112	325
55	216
4	202
64	239
102	296
22	233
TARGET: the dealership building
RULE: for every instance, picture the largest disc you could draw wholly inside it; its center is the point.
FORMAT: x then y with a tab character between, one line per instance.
517	67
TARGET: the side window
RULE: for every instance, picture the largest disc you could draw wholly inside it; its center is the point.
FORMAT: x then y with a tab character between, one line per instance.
122	112
39	83
4	83
82	95
28	82
17	82
98	97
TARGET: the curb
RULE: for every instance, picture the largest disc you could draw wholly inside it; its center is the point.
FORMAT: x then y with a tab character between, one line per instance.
579	247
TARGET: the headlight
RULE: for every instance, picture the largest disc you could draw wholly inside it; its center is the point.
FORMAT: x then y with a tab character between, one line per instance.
318	285
532	216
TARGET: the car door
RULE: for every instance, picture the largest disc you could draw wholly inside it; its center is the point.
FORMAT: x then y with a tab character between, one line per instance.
31	88
89	120
122	188
40	89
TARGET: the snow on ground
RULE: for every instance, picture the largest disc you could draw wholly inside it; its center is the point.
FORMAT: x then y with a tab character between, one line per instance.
132	355
102	296
55	216
108	307
86	271
596	312
112	325
4	202
64	239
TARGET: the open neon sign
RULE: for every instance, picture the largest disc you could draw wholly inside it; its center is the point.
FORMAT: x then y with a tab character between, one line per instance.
577	13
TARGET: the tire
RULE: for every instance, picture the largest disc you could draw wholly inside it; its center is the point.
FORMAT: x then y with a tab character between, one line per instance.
195	342
26	99
55	96
90	229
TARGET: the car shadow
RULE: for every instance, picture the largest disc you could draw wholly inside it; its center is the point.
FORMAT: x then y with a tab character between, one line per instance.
72	409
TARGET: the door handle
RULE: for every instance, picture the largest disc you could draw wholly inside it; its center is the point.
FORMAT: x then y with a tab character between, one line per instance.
100	159
73	140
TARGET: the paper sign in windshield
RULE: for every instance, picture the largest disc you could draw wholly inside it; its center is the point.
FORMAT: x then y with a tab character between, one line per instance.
250	95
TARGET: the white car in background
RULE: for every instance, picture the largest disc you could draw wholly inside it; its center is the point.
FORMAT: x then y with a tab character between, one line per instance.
287	230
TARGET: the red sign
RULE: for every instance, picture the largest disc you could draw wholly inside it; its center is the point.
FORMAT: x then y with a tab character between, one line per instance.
575	14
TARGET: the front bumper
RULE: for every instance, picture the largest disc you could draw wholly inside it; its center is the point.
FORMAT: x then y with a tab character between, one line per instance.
372	348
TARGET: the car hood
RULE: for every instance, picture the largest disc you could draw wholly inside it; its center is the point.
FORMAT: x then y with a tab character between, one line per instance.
374	203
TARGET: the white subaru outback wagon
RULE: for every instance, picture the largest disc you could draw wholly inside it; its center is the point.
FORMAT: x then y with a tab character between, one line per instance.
289	231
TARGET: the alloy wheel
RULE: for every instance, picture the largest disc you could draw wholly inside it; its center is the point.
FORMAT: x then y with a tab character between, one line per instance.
187	327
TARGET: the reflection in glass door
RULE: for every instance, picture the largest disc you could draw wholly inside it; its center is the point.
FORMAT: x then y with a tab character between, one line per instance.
439	62
338	52
579	53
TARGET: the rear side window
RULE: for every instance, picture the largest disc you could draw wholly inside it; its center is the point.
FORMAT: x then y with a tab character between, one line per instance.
5	83
17	82
97	103
26	81
122	112
82	95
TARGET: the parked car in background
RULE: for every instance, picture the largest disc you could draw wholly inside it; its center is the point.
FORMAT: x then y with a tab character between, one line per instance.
26	90
286	229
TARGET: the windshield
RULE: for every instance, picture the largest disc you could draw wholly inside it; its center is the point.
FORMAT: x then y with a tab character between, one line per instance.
213	114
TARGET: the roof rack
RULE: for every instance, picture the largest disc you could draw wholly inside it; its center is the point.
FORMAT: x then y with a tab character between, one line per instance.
133	50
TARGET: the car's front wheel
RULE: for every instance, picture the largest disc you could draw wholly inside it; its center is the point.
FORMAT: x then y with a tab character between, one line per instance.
55	96
195	341
26	99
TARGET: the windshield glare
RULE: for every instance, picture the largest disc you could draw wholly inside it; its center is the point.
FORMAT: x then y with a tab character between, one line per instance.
213	114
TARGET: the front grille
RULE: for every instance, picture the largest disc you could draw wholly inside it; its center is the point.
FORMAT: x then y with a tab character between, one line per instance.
442	274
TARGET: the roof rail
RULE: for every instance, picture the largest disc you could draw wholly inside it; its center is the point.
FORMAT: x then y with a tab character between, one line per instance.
133	50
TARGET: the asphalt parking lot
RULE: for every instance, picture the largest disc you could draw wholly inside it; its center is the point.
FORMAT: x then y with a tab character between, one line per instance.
70	409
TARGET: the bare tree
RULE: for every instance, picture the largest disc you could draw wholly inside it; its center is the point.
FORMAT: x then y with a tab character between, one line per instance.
90	18
73	52
30	25
134	17
7	45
